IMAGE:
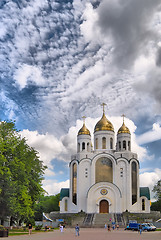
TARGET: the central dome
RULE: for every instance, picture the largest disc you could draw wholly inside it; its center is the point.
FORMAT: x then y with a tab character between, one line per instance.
104	124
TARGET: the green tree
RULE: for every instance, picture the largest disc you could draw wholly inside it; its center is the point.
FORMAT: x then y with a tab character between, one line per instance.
156	206
157	190
46	204
21	174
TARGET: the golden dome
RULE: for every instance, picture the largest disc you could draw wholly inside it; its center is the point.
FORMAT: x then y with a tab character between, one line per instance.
123	129
84	130
104	124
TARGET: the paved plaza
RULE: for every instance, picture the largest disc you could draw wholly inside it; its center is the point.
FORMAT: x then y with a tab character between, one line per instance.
90	234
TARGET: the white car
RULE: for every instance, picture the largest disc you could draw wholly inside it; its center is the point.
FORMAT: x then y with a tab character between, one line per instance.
153	228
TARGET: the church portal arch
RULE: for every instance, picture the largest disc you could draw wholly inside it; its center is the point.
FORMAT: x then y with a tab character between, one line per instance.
103	206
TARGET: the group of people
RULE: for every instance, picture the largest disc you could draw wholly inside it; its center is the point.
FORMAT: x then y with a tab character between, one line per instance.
108	227
76	229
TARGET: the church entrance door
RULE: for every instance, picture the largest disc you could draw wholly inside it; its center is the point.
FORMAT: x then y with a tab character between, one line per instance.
104	206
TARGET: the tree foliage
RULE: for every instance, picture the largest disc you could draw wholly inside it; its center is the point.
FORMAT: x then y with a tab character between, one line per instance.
46	204
157	190
156	206
21	174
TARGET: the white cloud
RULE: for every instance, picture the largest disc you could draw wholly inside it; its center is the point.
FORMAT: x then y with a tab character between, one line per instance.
28	74
53	188
149	179
150	136
48	146
3	30
88	29
49	173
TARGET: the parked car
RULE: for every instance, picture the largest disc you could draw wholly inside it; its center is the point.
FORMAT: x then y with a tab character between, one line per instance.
132	226
146	227
135	227
153	228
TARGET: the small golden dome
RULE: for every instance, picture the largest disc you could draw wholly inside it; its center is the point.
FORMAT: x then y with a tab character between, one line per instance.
84	130
123	129
104	124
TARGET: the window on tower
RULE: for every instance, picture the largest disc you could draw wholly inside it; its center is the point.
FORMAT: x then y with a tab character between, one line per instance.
124	145
83	146
119	145
88	146
78	147
66	205
111	143
129	146
74	183
134	182
96	143
143	204
103	143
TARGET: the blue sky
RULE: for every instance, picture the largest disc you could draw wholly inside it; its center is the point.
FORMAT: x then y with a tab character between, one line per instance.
59	60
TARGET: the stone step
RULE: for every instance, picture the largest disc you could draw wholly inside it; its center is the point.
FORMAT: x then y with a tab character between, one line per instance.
102	218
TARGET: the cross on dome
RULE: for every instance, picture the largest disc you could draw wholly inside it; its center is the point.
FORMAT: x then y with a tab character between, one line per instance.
103	105
123	115
84	118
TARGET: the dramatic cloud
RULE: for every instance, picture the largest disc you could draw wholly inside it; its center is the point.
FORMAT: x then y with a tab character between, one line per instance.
127	23
48	146
60	60
150	136
149	179
53	188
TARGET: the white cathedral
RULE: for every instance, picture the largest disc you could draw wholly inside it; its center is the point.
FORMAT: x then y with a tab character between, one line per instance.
104	179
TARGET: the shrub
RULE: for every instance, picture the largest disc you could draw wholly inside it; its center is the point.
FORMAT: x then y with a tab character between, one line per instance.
2	227
38	227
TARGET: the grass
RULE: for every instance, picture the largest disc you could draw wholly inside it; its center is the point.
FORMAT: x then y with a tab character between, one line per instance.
17	233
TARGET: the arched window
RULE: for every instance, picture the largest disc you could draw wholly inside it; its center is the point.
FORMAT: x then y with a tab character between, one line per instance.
111	143
74	183
103	170
134	182
124	145
103	143
78	147
88	146
83	146
143	204
96	143
66	205
129	146
119	145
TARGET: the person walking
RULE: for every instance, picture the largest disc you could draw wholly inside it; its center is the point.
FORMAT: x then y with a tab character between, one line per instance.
140	228
61	228
77	230
109	228
30	228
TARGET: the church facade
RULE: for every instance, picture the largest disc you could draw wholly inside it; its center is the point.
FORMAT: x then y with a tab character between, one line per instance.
104	178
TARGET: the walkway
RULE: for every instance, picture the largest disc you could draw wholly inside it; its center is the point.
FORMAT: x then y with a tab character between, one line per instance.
90	234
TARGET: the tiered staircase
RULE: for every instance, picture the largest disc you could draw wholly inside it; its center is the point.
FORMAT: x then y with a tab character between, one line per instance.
88	220
119	219
100	219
